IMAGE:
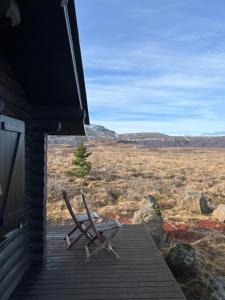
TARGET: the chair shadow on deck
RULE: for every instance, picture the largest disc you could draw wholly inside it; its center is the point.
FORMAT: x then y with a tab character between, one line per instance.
139	273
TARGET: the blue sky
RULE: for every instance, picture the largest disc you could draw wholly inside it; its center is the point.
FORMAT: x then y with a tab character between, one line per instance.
154	65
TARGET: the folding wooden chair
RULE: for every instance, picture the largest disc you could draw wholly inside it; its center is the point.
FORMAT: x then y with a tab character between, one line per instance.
102	234
82	223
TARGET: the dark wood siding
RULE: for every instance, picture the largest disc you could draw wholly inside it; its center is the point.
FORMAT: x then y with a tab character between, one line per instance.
38	195
13	261
12	174
11	93
14	251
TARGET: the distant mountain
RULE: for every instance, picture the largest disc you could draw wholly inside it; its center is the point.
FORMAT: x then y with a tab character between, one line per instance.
142	135
176	141
93	132
100	132
220	133
149	139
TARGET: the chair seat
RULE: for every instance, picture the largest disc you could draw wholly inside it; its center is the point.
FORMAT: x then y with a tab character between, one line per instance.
108	225
84	217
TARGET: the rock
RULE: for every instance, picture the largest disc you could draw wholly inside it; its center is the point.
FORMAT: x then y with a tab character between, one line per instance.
214	289
152	201
151	216
182	260
204	207
219	213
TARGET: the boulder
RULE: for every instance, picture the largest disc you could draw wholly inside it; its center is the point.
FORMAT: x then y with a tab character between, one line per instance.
152	201
214	289
219	213
151	216
182	260
204	207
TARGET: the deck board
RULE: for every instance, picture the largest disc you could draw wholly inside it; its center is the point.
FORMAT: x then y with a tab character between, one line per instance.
140	273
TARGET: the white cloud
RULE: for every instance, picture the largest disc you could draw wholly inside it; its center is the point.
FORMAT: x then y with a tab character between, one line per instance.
174	70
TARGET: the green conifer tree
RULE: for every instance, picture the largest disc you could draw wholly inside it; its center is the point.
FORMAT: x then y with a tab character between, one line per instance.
81	167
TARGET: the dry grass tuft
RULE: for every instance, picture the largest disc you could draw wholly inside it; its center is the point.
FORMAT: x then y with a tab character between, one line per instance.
210	252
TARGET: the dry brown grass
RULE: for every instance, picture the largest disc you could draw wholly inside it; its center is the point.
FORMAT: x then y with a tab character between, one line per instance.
210	259
123	175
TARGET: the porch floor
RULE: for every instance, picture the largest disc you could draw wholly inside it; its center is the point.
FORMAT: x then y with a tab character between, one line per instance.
140	273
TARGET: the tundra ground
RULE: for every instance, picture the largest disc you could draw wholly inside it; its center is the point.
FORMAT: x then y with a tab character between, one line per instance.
121	178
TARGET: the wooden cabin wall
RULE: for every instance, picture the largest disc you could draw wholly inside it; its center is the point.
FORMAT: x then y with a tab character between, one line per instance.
38	194
14	253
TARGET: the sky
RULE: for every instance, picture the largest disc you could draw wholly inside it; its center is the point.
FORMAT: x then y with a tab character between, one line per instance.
154	65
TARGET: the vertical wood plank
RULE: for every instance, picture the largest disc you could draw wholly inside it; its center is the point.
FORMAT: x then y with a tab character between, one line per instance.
38	196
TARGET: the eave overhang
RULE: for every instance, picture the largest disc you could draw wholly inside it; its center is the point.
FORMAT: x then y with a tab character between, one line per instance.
44	50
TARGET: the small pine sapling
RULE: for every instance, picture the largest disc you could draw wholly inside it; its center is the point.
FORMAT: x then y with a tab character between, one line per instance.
81	167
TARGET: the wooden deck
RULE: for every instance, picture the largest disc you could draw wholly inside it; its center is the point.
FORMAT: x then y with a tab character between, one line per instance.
140	273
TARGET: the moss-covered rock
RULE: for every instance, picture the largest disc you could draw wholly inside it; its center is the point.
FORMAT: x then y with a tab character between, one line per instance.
205	208
219	213
151	216
151	200
182	260
214	289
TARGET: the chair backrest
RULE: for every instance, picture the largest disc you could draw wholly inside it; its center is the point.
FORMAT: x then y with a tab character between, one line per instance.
70	209
92	223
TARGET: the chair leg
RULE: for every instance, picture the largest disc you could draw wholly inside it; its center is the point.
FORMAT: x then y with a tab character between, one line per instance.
86	232
92	241
112	236
88	235
105	245
67	241
71	232
111	250
98	249
75	241
71	243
